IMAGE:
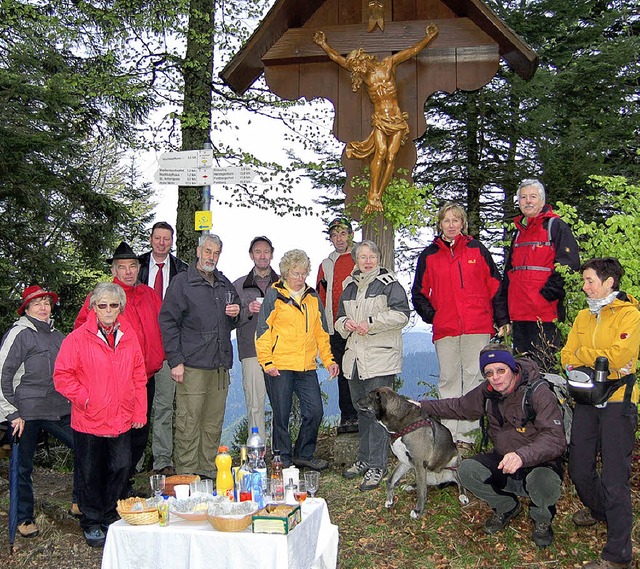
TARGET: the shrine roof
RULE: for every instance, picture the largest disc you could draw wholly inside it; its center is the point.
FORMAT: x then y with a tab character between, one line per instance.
247	65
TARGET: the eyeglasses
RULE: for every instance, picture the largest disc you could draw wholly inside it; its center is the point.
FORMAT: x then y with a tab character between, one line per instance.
298	275
500	371
104	305
367	257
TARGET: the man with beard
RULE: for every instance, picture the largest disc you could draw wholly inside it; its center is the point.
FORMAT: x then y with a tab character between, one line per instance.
200	309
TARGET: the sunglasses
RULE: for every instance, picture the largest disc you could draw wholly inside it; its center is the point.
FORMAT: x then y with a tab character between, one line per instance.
104	305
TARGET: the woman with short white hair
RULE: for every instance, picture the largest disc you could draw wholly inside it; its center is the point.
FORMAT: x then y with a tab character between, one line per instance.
101	370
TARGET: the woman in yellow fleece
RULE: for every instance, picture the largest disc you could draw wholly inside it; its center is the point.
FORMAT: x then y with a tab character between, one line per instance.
609	327
290	334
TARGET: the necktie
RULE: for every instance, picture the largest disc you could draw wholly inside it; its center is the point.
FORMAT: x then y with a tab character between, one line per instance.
158	285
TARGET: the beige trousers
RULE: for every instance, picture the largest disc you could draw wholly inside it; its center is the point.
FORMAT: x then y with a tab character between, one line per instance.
459	359
255	394
200	406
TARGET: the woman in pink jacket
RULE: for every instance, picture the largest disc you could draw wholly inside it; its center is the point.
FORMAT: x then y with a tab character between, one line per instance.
101	370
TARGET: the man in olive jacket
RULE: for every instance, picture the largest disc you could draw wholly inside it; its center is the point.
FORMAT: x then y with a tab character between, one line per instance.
525	460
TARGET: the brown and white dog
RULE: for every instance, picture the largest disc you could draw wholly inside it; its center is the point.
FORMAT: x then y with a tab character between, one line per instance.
423	444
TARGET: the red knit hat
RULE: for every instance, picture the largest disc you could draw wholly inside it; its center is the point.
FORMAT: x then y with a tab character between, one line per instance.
31	293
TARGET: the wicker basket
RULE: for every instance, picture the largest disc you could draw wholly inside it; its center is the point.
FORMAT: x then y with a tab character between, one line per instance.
230	523
138	517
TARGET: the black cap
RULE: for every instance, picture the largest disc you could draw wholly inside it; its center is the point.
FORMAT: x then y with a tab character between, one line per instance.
260	238
123	251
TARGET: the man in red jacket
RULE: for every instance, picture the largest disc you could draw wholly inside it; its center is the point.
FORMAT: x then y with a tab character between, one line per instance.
534	289
331	274
141	311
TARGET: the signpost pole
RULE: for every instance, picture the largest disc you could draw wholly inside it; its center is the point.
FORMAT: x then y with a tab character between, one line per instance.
206	190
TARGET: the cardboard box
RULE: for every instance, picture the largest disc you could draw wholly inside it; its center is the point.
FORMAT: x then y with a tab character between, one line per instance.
276	518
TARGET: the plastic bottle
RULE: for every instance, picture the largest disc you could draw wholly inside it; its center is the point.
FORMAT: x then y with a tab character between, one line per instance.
255	447
224	479
276	477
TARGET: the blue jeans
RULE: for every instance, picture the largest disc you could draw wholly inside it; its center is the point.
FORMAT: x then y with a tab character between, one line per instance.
280	390
374	438
61	430
103	465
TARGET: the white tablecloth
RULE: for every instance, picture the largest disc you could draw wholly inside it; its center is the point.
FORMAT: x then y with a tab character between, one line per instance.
196	545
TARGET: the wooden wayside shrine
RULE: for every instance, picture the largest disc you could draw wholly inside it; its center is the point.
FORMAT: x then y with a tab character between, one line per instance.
464	55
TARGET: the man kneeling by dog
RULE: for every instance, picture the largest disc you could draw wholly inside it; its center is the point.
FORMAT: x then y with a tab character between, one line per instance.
525	460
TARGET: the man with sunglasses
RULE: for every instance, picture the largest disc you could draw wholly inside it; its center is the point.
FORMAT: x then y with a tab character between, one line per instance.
141	311
525	459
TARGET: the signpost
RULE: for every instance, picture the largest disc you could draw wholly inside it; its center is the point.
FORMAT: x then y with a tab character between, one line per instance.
194	168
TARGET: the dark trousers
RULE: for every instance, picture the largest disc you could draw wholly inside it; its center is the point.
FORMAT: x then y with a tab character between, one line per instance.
542	484
347	410
103	468
374	438
610	433
140	437
539	340
61	430
280	390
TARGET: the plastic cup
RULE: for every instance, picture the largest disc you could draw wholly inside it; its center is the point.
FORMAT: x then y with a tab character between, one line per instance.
181	491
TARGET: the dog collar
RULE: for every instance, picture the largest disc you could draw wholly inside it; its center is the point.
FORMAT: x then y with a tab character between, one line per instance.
412	427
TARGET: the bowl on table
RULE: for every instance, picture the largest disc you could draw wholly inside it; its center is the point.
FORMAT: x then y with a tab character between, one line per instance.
194	508
232	516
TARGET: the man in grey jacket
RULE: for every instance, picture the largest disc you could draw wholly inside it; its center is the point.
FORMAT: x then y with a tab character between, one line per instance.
251	289
199	311
525	460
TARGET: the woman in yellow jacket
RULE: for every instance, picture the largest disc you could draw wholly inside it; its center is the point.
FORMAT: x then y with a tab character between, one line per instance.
610	327
290	334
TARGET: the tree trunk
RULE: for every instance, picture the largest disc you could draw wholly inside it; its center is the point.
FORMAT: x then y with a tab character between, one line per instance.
382	234
197	72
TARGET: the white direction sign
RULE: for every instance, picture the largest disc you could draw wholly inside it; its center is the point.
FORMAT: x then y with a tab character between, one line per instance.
183	176
186	159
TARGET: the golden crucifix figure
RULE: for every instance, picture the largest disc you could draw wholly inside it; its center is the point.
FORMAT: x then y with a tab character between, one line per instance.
389	123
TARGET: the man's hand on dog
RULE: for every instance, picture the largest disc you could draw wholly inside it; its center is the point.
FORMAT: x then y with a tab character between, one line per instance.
510	463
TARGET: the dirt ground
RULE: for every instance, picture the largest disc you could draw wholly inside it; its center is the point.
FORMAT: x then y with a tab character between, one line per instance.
60	543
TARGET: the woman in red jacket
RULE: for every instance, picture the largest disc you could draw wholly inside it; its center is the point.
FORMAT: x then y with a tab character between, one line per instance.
100	369
455	289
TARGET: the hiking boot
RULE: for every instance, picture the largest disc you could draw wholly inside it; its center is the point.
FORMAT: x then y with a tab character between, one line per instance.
94	536
584	518
74	510
542	534
372	478
348	426
358	468
312	463
604	564
167	471
497	522
28	528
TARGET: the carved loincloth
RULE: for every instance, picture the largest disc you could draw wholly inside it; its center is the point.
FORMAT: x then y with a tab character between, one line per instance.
387	125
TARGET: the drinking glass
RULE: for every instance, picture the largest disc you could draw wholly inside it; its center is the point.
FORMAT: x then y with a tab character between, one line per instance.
229	297
300	492
157	482
312	481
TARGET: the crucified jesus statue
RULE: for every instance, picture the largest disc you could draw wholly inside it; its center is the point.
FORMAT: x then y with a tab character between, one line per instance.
389	123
